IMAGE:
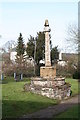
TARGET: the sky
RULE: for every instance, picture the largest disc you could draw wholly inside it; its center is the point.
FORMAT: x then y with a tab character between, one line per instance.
29	18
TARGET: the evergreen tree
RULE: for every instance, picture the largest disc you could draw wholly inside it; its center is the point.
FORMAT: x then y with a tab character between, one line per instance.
40	47
36	46
20	47
54	54
30	46
20	57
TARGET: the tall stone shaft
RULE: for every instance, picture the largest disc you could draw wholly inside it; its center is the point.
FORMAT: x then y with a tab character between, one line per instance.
47	71
47	44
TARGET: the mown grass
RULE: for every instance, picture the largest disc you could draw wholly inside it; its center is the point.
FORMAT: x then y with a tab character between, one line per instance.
17	103
75	86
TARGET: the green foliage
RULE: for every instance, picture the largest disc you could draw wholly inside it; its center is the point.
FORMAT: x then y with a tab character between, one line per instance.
36	48
30	46
20	47
54	54
36	45
76	75
20	57
39	43
40	46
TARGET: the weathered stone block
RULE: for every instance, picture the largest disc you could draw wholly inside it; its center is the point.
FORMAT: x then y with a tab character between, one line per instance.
48	72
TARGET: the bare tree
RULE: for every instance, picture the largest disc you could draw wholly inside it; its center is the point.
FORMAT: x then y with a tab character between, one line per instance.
73	37
74	41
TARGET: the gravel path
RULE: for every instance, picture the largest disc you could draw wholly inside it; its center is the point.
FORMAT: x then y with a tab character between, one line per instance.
52	111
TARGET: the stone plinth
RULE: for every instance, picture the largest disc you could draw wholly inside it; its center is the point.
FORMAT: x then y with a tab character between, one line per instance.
55	88
48	72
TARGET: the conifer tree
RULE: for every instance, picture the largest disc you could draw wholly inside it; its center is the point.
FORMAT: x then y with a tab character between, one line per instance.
20	57
54	54
20	47
39	42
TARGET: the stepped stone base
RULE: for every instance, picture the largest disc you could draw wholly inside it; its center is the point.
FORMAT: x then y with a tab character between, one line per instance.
48	72
55	88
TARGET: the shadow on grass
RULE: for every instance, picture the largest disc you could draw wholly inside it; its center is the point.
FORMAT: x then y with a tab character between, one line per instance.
56	111
13	109
18	109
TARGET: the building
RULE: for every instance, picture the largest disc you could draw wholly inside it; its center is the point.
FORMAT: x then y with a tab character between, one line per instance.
64	58
13	54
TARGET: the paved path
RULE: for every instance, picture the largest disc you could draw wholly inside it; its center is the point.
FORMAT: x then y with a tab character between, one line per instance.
52	111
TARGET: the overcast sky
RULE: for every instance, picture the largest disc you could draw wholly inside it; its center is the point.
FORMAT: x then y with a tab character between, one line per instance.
29	18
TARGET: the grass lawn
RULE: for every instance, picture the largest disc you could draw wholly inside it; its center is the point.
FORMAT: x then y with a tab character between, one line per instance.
71	112
75	86
17	103
74	111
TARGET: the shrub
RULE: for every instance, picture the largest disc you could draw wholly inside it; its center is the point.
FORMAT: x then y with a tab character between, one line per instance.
76	75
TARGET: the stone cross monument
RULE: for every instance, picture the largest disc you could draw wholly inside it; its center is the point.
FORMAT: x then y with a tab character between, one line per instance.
47	71
47	44
48	84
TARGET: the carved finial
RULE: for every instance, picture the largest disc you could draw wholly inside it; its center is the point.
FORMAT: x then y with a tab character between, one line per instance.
46	23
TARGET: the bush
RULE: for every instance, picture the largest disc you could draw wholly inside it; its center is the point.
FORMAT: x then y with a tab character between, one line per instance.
62	71
76	75
28	70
